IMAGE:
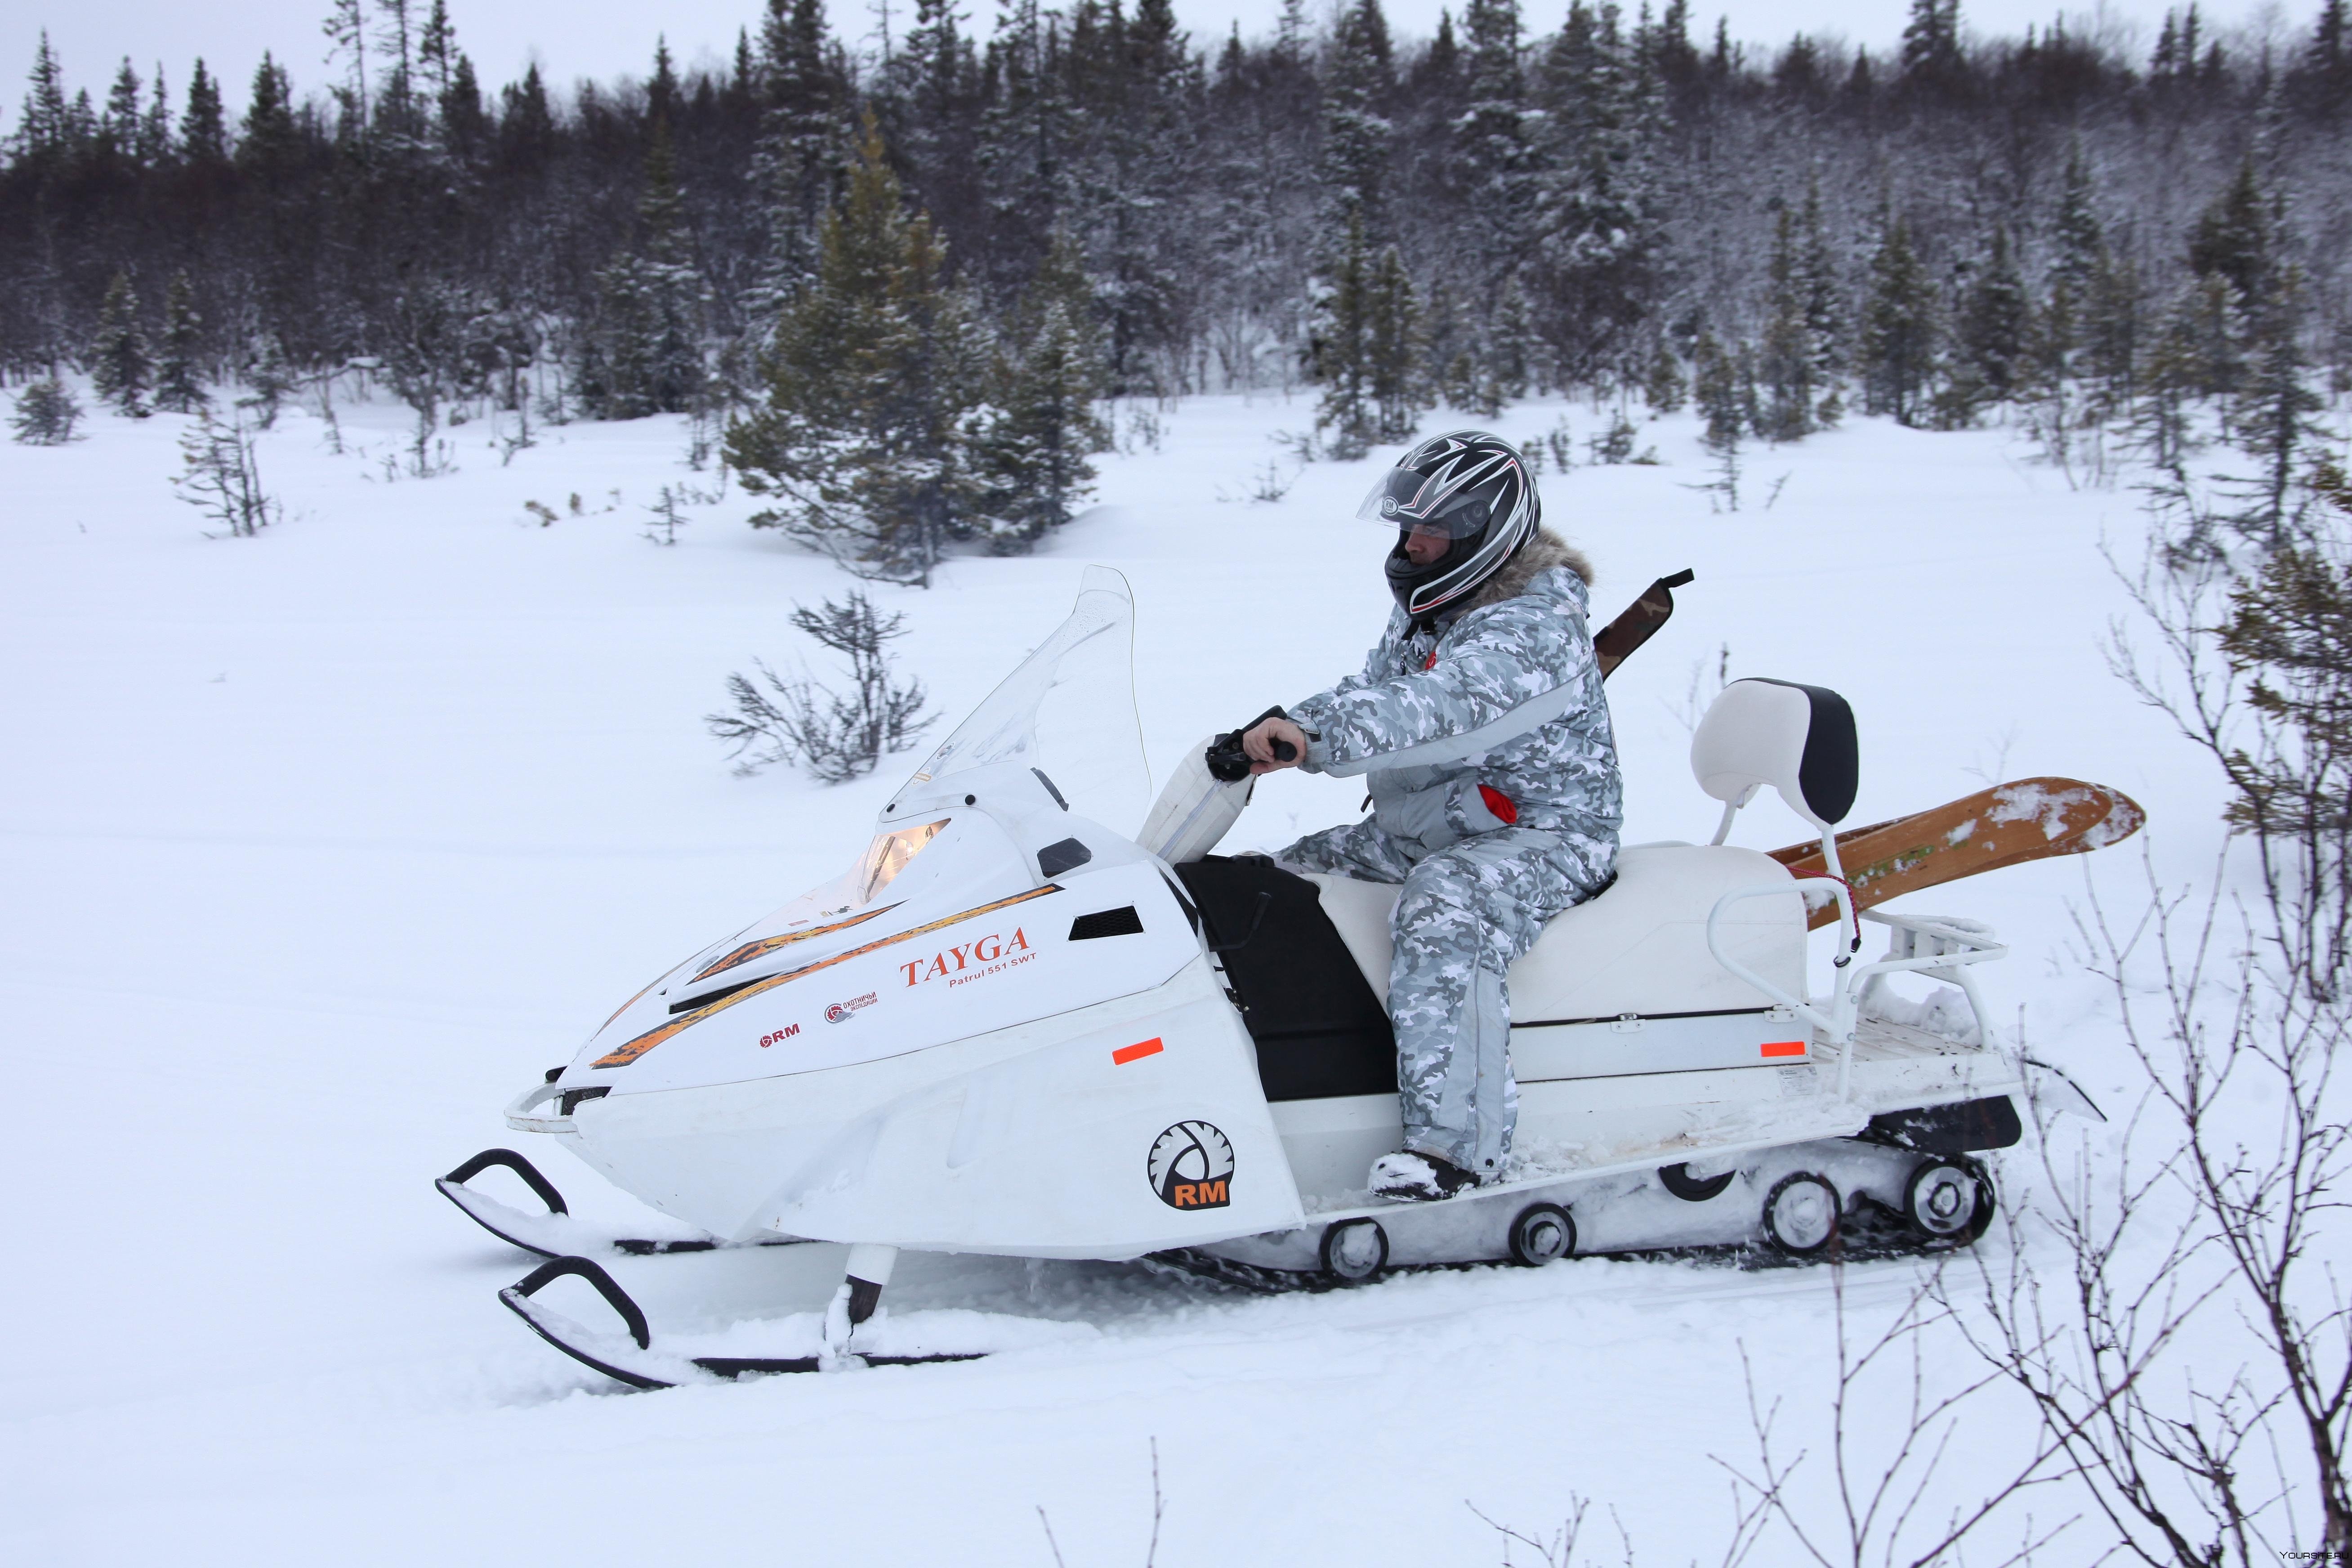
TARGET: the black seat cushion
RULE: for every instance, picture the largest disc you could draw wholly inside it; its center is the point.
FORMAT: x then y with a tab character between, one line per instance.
1320	1031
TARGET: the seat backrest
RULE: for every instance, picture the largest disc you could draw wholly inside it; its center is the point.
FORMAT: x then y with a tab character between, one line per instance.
1798	739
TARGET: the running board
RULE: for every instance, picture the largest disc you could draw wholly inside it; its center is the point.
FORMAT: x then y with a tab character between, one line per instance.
633	1359
556	1234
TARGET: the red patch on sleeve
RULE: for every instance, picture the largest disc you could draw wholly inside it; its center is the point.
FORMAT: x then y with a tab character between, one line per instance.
1500	804
1431	662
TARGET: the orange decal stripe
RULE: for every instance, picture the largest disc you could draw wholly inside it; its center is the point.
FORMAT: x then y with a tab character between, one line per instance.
1784	1048
1136	1053
768	944
622	1055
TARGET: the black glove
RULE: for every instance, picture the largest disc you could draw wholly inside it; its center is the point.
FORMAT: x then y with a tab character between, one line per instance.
1228	763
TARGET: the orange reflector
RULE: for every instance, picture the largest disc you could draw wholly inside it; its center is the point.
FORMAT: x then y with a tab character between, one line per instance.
1783	1047
1135	1053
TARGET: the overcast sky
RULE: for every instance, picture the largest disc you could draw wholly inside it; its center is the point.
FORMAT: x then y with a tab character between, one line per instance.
604	38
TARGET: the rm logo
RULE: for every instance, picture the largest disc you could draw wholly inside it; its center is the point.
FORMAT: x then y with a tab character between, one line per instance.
1192	1166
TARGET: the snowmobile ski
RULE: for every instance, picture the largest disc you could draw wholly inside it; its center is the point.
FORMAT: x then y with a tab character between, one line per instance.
633	1358
556	1234
1613	644
2008	824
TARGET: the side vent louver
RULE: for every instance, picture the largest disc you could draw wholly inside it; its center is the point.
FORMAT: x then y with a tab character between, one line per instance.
1121	922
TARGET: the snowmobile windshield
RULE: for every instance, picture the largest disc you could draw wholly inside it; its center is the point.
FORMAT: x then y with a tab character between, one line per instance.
888	856
1454	501
1068	711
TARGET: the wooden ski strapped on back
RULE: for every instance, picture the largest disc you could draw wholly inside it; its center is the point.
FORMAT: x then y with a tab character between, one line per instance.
1615	642
2031	819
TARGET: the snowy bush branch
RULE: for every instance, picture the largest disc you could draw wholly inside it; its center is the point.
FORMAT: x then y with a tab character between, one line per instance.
834	736
221	477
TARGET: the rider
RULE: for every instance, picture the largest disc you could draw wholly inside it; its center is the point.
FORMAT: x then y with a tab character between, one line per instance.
1480	721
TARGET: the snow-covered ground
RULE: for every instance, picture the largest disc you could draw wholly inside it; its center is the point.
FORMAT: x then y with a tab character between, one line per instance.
314	847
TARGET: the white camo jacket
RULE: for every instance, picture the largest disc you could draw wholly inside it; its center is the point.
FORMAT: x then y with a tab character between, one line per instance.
1506	696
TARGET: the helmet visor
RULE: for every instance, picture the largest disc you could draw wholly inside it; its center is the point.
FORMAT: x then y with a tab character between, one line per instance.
1455	501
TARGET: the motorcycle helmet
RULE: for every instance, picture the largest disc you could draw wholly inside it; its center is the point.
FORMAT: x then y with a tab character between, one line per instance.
1472	486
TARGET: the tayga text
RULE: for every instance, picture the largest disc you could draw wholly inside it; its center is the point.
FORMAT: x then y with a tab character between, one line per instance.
971	960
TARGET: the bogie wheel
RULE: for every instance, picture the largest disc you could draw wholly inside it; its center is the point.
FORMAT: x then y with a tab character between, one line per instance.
1943	1200
1355	1249
1800	1213
1988	1201
1542	1233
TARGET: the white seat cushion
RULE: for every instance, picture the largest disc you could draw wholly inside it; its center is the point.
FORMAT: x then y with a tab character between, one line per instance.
1640	947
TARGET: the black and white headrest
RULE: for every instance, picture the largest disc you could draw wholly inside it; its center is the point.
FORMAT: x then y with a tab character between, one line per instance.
1798	739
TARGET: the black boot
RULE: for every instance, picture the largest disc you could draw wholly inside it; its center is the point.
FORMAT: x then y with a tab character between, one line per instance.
1412	1177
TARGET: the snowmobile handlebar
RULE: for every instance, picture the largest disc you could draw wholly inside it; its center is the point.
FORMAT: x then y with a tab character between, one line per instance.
1229	763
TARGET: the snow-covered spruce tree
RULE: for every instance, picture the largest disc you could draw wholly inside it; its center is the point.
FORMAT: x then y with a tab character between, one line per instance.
1135	84
1793	358
1034	443
120	371
1512	357
1717	392
645	355
1392	349
2233	249
1993	334
2270	417
1028	133
1493	152
1341	346
45	414
1664	388
1821	294
1357	79
2079	254
2172	376
204	129
1452	348
803	93
1932	60
268	379
1895	351
179	378
1596	218
873	384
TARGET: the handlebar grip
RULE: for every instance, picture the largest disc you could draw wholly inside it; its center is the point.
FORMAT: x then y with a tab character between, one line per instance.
1228	763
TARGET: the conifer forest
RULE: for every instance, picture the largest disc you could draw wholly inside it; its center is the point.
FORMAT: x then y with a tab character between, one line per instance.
896	284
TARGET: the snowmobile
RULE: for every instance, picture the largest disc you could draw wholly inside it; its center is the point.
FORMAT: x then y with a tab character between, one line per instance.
1008	1028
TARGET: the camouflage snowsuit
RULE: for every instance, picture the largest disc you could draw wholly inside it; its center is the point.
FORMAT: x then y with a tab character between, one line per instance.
1506	694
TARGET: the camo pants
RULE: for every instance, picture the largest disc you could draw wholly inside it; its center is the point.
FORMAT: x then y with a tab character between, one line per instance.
1466	912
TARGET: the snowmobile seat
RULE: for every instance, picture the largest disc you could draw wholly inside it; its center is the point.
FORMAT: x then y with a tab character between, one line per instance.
1308	959
1638	948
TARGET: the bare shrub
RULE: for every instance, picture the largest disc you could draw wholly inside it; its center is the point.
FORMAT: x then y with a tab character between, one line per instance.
663	520
2195	1363
220	476
830	736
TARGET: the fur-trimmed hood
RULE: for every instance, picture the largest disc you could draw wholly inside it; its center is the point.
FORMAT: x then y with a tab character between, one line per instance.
1537	556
